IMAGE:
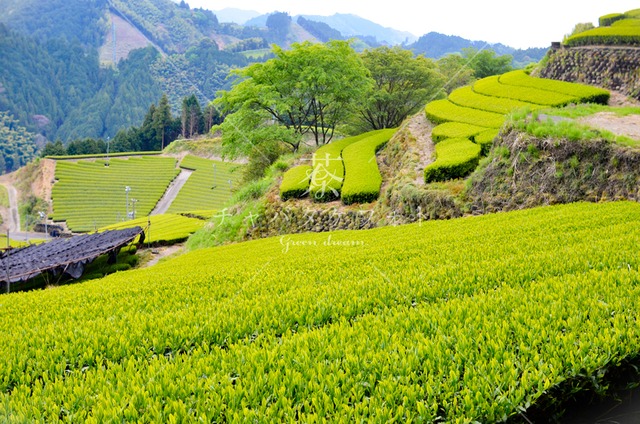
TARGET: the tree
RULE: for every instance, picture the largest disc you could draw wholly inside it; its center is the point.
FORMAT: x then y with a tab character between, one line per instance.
311	88
54	149
278	24
455	71
403	84
162	122
192	117
486	63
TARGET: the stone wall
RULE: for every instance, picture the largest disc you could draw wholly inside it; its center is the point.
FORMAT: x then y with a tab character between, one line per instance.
615	68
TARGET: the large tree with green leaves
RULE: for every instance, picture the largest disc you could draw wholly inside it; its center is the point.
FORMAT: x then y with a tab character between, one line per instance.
403	84
486	63
309	89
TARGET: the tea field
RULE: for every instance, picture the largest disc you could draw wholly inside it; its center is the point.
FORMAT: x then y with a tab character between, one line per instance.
466	320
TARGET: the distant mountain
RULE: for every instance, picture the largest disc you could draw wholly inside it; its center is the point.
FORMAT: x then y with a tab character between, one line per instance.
350	26
236	16
436	45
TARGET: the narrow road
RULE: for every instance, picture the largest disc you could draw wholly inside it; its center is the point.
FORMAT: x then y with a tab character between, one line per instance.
171	193
14	215
13	223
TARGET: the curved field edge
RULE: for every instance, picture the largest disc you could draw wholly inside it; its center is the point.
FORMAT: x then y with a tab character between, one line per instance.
375	329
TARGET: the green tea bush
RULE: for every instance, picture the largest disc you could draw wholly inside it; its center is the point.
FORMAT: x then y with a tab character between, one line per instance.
295	182
455	158
455	130
328	169
441	111
362	177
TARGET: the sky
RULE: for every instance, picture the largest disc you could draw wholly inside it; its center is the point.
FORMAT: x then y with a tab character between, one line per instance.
515	23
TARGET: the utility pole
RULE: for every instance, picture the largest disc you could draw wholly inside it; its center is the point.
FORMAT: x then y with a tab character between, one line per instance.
127	189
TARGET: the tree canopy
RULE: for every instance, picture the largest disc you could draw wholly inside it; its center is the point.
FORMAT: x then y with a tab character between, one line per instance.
309	89
403	84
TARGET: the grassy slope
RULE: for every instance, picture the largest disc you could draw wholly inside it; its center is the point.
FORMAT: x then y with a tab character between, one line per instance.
384	324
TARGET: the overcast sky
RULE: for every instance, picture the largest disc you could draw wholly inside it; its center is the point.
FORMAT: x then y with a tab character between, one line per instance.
516	23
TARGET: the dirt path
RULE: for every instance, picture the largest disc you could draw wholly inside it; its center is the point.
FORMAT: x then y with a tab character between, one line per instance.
14	217
620	125
171	193
163	252
420	128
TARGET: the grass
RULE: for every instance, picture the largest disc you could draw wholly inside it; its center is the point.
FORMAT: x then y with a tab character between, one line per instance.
4	197
541	124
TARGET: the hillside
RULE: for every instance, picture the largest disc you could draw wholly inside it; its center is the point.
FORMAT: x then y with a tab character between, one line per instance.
465	320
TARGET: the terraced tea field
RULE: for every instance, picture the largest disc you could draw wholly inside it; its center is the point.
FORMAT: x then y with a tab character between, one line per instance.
465	320
89	195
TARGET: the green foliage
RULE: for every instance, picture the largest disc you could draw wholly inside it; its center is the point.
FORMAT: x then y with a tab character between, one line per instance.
261	157
164	229
544	126
492	86
403	84
210	185
90	195
311	88
171	27
295	182
465	96
4	197
485	140
405	327
613	35
328	168
455	130
362	179
486	63
455	158
583	93
320	30
627	23
441	111
608	20
455	71
17	145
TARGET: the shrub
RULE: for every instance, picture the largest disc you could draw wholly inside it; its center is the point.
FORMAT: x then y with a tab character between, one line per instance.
491	86
455	130
295	182
485	140
614	36
441	111
627	23
456	158
583	93
328	169
608	20
465	96
362	177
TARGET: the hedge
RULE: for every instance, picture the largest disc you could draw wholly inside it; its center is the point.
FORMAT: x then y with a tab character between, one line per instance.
485	140
491	86
362	177
295	182
613	36
328	169
208	187
103	155
608	20
456	157
441	111
627	23
583	93
455	130
465	96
